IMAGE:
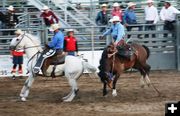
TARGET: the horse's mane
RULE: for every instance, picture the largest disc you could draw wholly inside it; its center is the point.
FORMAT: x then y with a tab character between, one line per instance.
102	66
34	38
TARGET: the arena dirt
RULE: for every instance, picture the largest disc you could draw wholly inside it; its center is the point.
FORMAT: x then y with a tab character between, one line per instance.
45	96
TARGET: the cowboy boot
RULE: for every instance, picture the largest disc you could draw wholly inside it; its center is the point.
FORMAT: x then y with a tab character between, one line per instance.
20	72
13	71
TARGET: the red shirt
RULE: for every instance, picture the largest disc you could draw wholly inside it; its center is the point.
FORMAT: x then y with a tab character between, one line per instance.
49	18
17	53
70	44
118	13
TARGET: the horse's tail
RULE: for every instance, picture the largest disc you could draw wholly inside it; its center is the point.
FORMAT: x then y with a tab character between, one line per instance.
147	50
89	67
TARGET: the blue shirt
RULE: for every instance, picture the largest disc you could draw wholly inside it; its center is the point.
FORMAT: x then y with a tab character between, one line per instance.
129	17
57	41
116	31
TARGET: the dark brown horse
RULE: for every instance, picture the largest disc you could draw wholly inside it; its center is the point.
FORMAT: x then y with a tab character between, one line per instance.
113	65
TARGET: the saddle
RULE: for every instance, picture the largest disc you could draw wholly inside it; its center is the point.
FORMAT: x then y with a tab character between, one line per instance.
125	51
56	56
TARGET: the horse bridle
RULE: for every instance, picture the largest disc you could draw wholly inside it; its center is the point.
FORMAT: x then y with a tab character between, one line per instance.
26	47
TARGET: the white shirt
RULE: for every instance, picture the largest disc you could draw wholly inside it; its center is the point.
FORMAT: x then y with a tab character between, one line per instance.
151	14
169	14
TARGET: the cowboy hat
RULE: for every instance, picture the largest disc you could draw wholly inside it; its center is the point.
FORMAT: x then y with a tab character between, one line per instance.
11	8
104	5
115	18
45	8
54	27
150	1
115	4
19	31
130	4
70	30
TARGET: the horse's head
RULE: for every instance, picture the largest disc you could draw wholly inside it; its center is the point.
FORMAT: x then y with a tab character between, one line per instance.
105	66
17	43
28	42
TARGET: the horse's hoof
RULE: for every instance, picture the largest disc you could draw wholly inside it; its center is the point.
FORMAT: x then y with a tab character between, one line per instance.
114	93
21	95
67	100
23	99
13	77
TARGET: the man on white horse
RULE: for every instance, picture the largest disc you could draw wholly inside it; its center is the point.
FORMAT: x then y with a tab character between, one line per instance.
55	47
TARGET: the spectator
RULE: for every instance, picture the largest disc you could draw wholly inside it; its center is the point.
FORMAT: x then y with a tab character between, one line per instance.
151	17
70	43
102	17
17	54
130	18
117	11
10	20
48	16
117	31
168	15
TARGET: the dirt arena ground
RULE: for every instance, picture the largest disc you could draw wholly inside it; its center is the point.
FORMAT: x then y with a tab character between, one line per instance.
45	97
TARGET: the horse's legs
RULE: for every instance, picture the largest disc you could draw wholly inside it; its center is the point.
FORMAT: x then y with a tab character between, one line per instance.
105	89
114	92
74	88
147	70
142	82
145	75
25	90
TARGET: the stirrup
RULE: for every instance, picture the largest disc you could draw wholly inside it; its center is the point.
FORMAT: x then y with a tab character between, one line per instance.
36	70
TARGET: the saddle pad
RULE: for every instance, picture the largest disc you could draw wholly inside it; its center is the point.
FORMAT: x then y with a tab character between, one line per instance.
60	60
43	57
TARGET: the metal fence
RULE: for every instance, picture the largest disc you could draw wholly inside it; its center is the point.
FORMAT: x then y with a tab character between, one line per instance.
165	51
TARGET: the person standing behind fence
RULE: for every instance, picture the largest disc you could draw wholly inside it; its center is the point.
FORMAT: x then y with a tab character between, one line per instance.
48	16
11	20
70	43
129	19
168	15
17	53
151	17
102	17
117	11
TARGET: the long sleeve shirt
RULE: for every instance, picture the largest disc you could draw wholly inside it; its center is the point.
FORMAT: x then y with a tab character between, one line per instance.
49	18
102	18
116	31
129	17
169	14
151	14
57	41
118	13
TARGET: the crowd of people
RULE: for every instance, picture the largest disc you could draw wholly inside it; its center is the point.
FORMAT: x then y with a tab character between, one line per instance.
128	18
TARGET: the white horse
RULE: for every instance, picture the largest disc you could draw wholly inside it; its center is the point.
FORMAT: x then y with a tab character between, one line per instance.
72	68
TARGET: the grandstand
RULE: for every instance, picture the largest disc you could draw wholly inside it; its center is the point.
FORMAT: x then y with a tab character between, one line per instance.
80	15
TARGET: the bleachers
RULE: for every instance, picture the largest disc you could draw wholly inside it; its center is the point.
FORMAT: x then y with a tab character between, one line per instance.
29	20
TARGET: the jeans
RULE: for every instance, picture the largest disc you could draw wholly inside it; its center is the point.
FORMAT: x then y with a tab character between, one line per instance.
150	27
